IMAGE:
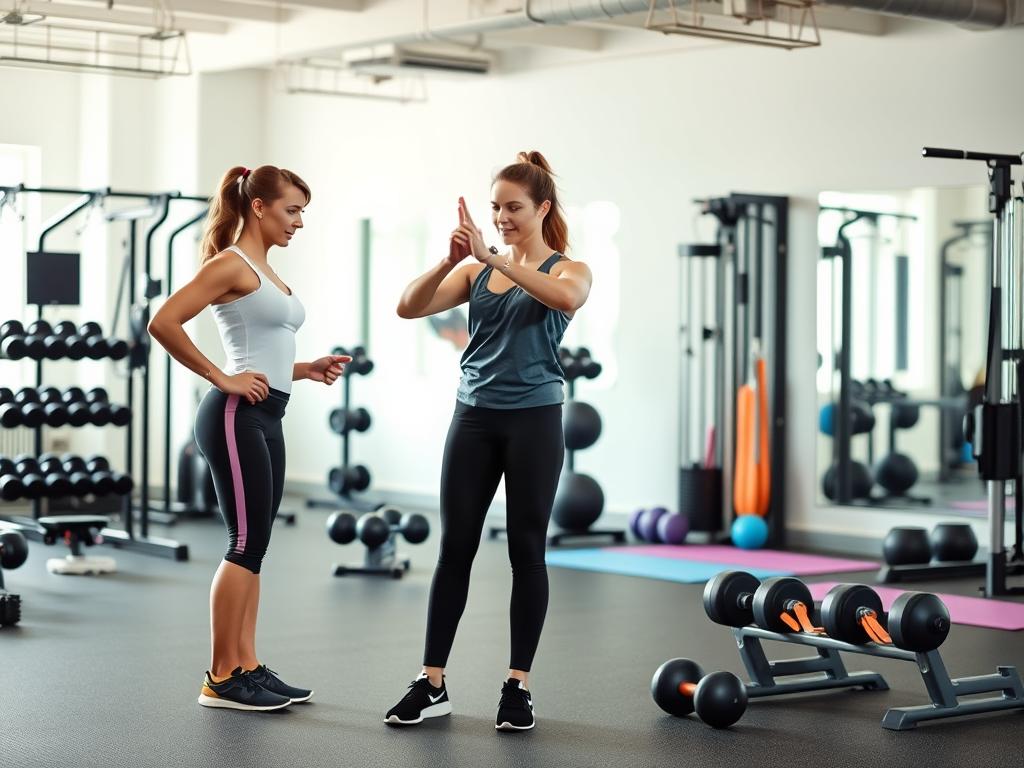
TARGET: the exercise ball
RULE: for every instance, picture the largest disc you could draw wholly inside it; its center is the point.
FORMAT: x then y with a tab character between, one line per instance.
896	473
749	531
860	481
825	417
581	425
648	525
579	501
907	546
672	528
954	542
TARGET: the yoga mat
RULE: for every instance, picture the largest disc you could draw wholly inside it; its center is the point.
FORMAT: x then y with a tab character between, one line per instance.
976	611
626	564
789	563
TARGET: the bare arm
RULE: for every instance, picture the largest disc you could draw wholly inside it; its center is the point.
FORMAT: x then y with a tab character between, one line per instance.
218	276
566	289
438	289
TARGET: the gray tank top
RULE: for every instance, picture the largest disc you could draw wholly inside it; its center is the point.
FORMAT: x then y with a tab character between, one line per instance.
258	330
512	357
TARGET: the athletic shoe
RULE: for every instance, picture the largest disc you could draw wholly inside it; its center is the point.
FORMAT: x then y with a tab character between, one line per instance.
267	678
515	709
240	691
422	700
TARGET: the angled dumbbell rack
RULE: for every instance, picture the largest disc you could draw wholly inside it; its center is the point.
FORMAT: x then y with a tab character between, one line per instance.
943	691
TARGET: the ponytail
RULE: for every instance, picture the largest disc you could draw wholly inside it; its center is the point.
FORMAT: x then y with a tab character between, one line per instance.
532	172
233	200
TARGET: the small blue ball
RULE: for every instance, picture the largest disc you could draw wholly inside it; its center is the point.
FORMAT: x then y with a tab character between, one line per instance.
749	532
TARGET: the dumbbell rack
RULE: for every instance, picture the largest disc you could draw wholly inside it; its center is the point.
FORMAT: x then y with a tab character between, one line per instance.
943	691
344	500
379	561
138	358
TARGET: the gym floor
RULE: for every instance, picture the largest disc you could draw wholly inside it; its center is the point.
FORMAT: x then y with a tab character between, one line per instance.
105	671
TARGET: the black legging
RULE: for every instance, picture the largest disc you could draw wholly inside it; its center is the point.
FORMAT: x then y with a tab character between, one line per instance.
244	446
524	444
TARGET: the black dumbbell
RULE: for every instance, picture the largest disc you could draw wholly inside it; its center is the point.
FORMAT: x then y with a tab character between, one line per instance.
784	604
81	481
11	487
853	613
679	687
570	365
363	364
341	527
31	476
729	598
121	483
118	415
78	409
54	346
918	622
355	478
589	369
343	421
55	411
13	550
32	412
414	527
74	342
96	347
10	412
12	340
373	530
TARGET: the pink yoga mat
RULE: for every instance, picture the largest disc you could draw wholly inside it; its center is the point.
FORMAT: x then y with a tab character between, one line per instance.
976	611
769	559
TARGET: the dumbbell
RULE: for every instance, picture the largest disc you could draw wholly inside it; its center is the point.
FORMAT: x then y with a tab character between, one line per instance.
96	347
81	481
10	413
78	409
680	687
55	412
589	369
360	364
11	487
121	483
415	528
343	421
570	365
102	481
12	340
343	481
32	412
102	412
13	550
59	482
917	621
32	480
74	342
54	346
373	530
341	527
779	604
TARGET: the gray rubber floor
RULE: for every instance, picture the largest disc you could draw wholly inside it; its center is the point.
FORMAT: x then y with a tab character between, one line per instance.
105	672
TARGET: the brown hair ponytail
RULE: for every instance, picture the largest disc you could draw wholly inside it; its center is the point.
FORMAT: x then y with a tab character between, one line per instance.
233	200
532	172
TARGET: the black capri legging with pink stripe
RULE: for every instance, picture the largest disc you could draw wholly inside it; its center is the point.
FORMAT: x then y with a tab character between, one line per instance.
244	446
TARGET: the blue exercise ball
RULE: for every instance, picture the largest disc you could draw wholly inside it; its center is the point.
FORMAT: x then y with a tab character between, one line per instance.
749	532
825	419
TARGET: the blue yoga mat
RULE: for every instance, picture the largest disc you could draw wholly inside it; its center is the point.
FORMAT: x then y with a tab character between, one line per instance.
623	564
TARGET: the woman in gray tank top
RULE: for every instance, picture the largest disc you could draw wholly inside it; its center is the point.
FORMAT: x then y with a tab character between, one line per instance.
507	421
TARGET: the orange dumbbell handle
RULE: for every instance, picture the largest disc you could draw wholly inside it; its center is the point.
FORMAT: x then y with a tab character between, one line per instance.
877	633
687	689
802	622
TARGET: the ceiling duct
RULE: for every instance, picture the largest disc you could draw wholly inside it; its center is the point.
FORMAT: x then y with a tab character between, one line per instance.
392	59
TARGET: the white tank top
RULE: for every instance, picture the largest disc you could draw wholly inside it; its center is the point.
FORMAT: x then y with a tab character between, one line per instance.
258	330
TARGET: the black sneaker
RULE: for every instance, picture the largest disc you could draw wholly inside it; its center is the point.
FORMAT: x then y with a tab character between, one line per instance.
268	679
240	691
515	709
423	700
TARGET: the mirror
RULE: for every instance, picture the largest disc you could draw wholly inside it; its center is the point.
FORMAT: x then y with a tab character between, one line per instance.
902	307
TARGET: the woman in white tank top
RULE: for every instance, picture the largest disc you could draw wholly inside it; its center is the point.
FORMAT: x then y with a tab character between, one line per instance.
238	427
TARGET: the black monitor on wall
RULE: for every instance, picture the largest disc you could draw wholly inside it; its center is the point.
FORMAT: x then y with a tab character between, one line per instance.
53	278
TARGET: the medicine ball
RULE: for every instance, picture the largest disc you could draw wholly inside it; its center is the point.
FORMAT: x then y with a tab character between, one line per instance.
579	501
581	424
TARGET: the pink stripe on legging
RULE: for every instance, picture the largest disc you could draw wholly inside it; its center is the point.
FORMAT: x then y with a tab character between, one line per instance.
236	472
